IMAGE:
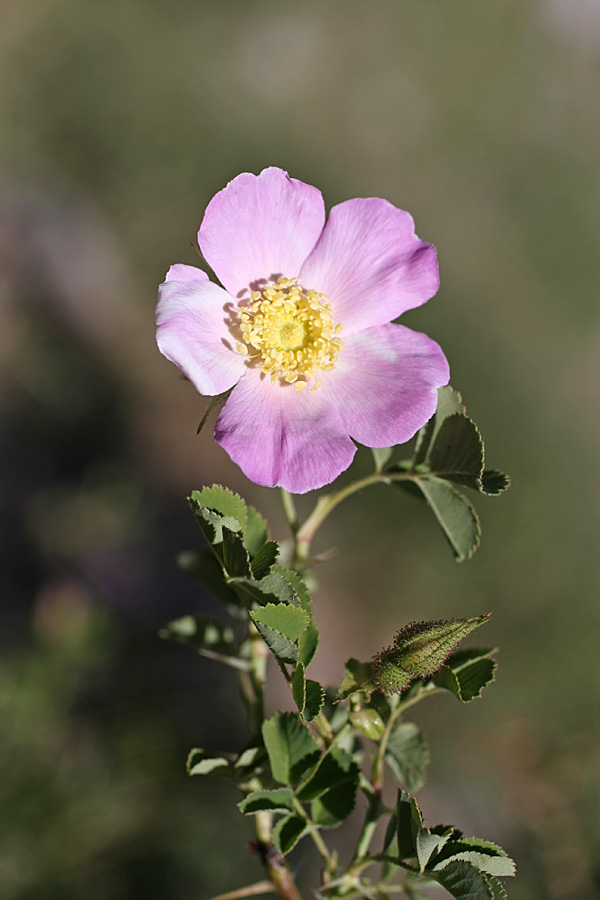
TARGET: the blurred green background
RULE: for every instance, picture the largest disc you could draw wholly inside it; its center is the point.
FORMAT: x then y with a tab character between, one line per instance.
119	120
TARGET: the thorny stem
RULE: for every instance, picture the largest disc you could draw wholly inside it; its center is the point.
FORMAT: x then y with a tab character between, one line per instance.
378	771
253	685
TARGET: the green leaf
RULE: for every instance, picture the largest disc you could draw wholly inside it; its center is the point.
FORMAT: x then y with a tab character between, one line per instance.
464	882
256	532
357	678
279	800
427	843
454	513
288	831
315	697
298	685
200	763
308	643
498	892
235	556
467	673
421	648
368	722
407	755
494	482
297	584
290	621
334	806
484	855
211	525
292	751
449	403
200	632
335	768
457	452
221	500
265	559
381	456
408	821
272	589
280	646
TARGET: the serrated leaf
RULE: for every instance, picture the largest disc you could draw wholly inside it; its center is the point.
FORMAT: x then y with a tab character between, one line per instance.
315	697
334	806
368	722
449	403
298	685
497	890
408	820
279	800
467	673
335	768
381	456
421	648
407	755
256	532
201	763
308	643
290	621
464	882
427	843
200	632
291	748
212	524
457	452
484	855
494	482
298	585
288	831
272	589
281	647
221	500
235	556
388	677
265	559
499	866
454	513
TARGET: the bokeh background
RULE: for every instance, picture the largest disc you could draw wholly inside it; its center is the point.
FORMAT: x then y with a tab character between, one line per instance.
119	120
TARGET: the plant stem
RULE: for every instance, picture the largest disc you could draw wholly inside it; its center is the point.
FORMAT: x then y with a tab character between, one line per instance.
289	510
253	686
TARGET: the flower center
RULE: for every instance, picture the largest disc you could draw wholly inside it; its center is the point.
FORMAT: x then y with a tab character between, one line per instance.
291	332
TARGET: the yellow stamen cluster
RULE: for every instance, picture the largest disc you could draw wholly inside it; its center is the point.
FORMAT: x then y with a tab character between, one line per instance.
292	333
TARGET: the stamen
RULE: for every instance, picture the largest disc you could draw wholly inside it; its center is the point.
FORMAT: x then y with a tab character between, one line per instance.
292	332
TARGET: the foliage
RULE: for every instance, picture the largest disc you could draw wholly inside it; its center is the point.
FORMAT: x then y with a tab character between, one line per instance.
302	772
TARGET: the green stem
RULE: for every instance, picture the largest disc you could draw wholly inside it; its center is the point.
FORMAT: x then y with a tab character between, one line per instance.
325	506
289	510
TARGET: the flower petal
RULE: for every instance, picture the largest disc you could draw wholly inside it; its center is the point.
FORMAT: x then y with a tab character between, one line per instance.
384	385
280	436
259	226
192	330
370	264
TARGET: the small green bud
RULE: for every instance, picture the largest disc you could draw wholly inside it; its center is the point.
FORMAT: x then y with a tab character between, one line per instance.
420	649
387	675
369	722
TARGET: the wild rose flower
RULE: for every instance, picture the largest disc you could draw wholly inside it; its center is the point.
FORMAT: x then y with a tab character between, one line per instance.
301	328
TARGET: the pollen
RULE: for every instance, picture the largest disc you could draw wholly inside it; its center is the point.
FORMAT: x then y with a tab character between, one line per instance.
290	333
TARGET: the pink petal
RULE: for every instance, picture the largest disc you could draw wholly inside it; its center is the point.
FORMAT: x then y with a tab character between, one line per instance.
279	436
260	226
192	330
370	264
385	383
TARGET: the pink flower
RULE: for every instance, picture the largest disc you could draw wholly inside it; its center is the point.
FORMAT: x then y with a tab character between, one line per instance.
300	329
